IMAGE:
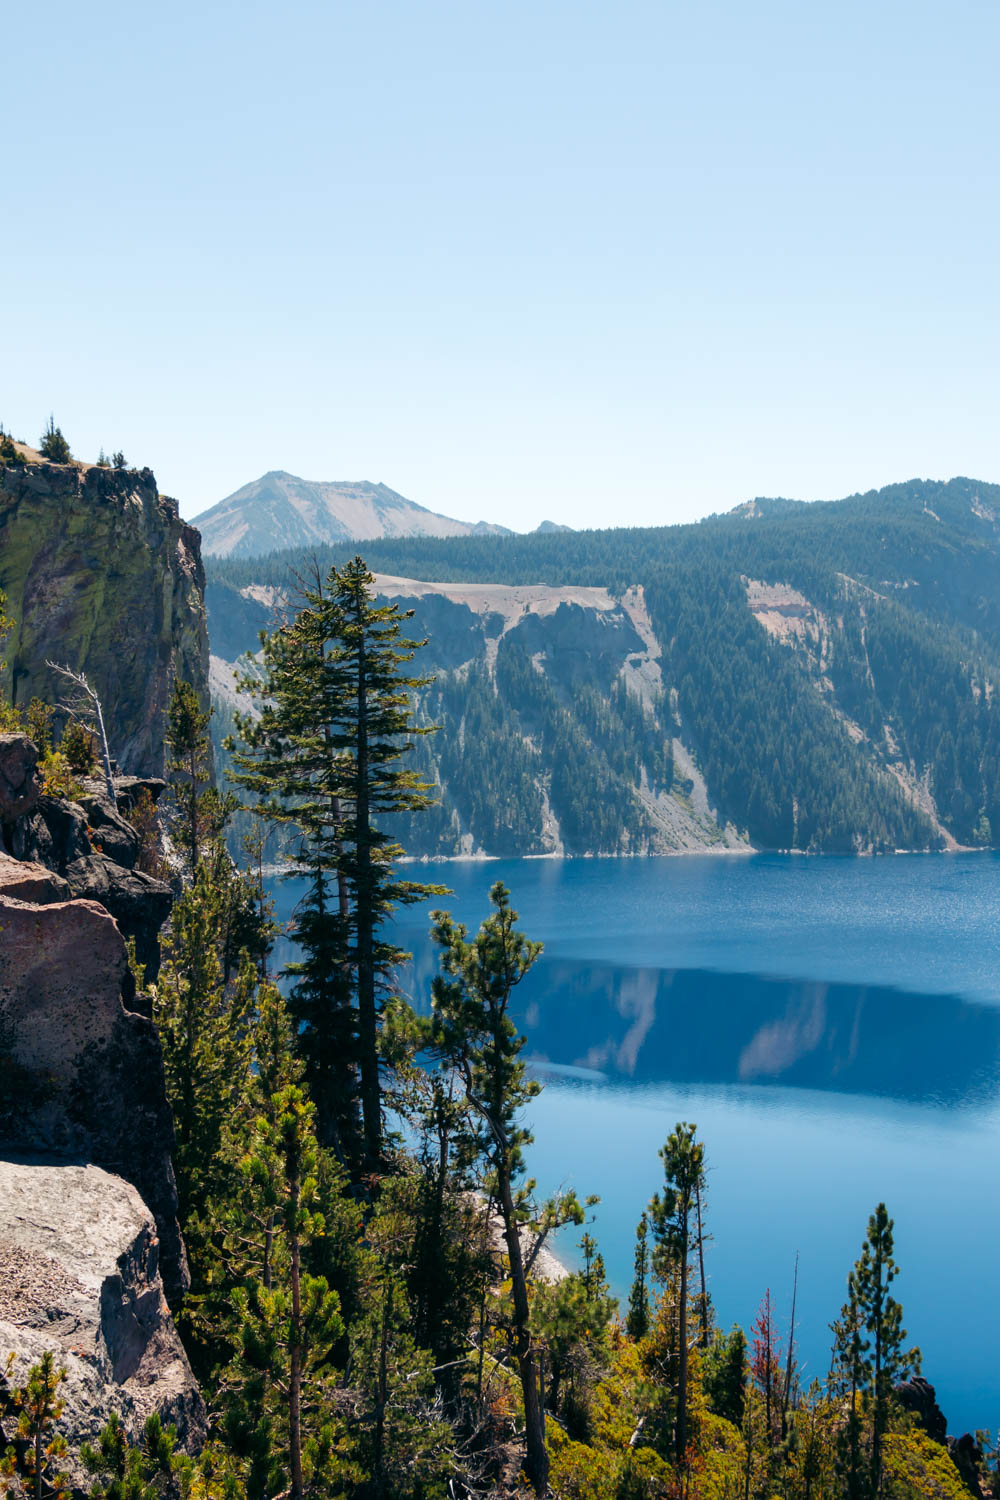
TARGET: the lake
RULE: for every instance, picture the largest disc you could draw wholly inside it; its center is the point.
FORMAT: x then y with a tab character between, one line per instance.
833	1028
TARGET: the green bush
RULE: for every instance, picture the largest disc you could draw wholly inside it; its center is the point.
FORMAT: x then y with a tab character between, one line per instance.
79	747
54	446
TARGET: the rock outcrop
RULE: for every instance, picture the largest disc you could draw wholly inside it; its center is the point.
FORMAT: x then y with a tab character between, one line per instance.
87	842
79	1275
102	575
918	1396
81	1076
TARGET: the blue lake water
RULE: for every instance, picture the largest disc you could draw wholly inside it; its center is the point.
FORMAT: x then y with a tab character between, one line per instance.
833	1028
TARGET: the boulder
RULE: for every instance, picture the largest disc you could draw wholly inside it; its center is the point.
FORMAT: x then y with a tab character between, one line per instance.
20	787
81	1077
80	1276
25	881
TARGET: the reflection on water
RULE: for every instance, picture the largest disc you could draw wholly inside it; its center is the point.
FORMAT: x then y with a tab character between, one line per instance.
833	1027
645	1025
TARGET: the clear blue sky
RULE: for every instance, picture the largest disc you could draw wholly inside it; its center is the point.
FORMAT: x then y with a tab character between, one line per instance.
607	264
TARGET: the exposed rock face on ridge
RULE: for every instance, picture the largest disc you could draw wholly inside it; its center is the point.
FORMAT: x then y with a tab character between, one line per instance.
87	843
102	575
81	1076
79	1275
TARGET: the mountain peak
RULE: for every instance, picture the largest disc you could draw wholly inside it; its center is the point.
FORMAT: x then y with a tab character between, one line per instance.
282	510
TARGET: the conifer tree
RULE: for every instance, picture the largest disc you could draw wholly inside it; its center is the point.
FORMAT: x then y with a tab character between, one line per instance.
127	1471
684	1175
324	754
887	1361
281	1322
203	1025
202	812
637	1319
53	445
30	1465
474	1033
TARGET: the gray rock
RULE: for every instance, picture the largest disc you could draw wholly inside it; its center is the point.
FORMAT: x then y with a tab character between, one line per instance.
20	787
79	1275
93	848
81	1077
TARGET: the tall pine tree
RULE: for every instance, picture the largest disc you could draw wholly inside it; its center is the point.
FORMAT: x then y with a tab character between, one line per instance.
325	755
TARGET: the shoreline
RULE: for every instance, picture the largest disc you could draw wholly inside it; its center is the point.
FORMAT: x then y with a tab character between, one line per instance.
271	870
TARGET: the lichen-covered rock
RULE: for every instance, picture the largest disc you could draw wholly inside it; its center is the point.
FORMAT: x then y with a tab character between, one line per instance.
103	576
81	1077
79	1275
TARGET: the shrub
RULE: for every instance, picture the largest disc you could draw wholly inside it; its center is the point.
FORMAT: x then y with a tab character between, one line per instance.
38	722
57	778
79	746
54	446
143	819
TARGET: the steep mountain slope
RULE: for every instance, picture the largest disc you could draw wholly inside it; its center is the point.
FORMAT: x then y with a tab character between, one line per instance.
280	510
803	676
103	576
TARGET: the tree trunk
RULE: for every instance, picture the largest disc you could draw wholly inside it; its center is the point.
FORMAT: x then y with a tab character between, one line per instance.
382	1394
682	1314
295	1372
371	1104
703	1301
536	1464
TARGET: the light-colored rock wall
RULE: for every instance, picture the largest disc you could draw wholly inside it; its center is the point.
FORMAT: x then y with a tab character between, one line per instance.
79	1276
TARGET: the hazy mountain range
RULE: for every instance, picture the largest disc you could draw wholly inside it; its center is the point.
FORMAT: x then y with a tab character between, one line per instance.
789	676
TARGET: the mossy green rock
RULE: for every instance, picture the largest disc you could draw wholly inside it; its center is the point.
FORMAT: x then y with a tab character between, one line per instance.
103	576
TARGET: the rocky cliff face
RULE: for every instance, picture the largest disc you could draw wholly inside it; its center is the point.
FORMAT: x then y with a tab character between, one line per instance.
102	575
81	1074
87	845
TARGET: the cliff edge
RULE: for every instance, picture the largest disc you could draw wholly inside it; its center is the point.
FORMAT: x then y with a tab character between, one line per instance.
103	576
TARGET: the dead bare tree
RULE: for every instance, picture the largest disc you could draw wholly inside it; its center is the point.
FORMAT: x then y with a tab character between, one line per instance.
85	707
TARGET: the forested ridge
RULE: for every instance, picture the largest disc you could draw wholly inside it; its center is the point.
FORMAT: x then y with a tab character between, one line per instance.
870	725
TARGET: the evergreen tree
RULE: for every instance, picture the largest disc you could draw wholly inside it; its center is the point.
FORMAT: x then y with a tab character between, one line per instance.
684	1175
202	813
324	754
126	1471
53	445
203	1024
887	1361
404	1443
724	1375
847	1376
474	1034
30	1464
637	1319
282	1322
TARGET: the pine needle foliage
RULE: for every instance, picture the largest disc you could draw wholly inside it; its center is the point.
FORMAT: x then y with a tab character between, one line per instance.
326	754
